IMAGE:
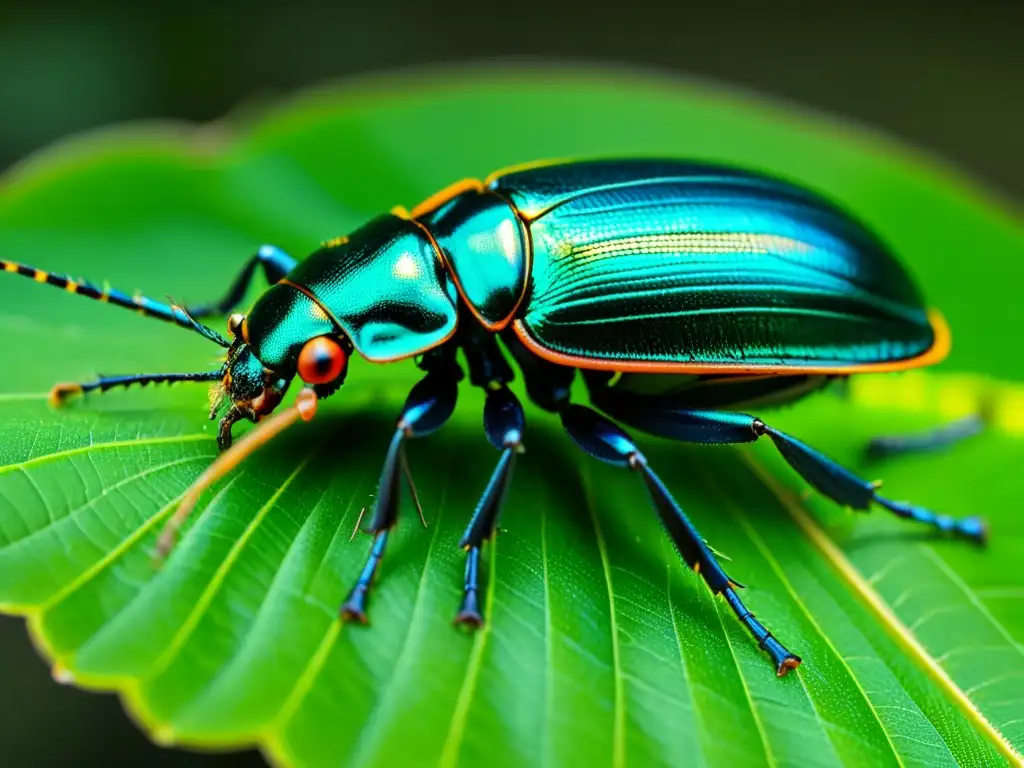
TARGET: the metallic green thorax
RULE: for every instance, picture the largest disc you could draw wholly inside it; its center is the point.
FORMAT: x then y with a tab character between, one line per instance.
384	287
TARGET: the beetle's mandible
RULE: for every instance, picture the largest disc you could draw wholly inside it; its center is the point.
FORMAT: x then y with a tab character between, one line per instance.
684	294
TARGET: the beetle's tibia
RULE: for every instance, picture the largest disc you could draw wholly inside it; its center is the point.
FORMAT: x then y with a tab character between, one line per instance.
782	658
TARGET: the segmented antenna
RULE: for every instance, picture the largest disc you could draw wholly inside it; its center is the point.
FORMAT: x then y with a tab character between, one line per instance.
141	304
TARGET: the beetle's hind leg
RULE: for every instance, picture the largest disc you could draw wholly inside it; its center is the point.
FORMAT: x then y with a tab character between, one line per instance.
935	439
605	441
276	265
924	441
429	405
663	417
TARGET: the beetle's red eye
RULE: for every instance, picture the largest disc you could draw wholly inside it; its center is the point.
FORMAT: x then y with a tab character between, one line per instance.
321	360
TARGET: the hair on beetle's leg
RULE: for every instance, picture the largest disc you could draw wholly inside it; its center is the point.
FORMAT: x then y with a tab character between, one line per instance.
62	392
429	405
276	265
412	489
603	440
659	416
504	422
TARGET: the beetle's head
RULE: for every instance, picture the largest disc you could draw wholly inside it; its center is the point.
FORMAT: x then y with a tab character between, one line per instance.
254	384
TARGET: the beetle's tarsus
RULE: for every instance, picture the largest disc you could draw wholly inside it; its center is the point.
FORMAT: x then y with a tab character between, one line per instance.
766	641
469	613
973	529
354	608
790	661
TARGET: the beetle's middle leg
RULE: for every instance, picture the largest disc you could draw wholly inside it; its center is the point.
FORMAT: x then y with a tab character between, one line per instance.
429	405
504	423
665	418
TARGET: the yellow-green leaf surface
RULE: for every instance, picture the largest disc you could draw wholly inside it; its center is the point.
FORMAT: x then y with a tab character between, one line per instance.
602	649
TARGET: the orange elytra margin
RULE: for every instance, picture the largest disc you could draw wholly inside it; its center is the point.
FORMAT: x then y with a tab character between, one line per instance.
935	353
527	166
441	197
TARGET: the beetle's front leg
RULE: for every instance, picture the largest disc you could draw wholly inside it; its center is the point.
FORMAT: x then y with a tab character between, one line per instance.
429	405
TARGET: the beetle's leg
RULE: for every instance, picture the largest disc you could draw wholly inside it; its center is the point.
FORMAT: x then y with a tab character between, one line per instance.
658	416
605	441
429	405
61	392
504	423
929	440
276	265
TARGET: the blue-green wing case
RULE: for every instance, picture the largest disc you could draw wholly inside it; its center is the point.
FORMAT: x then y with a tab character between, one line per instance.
667	264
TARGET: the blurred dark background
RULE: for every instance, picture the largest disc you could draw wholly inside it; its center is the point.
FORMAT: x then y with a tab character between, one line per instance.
946	77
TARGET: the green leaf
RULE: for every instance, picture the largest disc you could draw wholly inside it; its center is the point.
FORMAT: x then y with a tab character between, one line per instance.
601	647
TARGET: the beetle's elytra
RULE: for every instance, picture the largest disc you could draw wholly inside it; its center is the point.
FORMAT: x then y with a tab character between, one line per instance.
681	292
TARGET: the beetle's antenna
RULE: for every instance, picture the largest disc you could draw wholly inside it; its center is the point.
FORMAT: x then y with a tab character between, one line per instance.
304	408
196	326
61	392
141	304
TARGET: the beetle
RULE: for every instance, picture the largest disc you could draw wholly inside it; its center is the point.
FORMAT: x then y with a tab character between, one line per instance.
682	293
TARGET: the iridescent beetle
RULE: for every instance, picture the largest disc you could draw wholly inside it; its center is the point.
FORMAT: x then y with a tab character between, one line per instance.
680	291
